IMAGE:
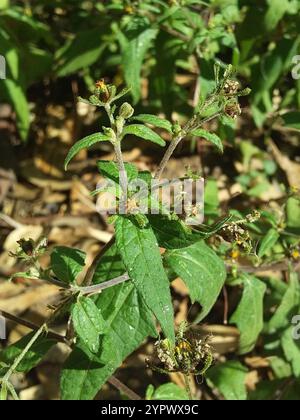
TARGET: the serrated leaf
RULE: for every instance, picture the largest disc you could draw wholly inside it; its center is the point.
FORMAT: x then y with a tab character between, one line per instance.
143	132
172	234
129	322
169	392
67	263
288	304
153	120
110	170
135	42
88	323
230	380
203	272
82	374
84	144
32	357
268	242
142	259
211	137
249	314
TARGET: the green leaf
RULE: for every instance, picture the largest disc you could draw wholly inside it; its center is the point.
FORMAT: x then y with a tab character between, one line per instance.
276	11
249	314
67	263
291	348
208	231
83	144
153	120
293	213
280	367
17	97
110	170
203	272
268	242
82	374
83	50
144	132
167	49
169	392
286	309
88	323
128	322
268	390
230	380
211	137
291	119
4	4
135	43
272	65
32	357
142	259
172	234
211	198
13	87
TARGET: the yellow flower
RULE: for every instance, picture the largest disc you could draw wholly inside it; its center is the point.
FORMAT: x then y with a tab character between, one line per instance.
100	84
295	254
235	254
129	10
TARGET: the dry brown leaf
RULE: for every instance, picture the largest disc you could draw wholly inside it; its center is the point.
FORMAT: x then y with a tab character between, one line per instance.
19	304
23	232
292	169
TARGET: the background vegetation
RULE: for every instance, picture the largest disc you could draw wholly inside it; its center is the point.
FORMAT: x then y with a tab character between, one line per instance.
166	51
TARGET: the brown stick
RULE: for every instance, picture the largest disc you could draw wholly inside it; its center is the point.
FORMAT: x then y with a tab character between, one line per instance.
226	307
124	389
32	326
90	272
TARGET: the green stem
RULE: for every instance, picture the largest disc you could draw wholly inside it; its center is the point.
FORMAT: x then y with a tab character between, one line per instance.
21	356
187	383
191	125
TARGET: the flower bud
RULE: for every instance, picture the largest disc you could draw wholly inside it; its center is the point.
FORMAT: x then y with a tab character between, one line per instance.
126	110
231	87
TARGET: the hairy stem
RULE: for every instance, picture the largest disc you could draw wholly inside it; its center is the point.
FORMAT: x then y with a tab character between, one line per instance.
121	167
187	383
97	288
191	125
